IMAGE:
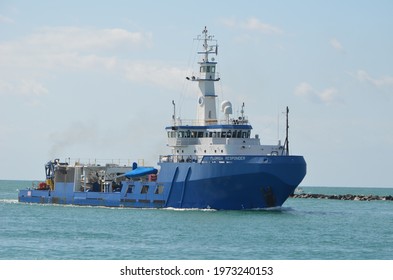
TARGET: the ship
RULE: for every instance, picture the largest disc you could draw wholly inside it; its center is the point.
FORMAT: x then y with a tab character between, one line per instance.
213	162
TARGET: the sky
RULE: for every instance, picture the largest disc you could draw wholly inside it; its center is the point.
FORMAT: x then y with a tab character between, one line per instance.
96	79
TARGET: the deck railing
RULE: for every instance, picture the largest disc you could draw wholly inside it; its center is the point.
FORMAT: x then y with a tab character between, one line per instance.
193	122
101	162
180	158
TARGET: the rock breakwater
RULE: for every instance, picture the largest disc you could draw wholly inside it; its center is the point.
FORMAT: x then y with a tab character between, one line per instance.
343	196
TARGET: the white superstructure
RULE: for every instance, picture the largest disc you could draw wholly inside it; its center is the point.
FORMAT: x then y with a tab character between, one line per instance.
209	134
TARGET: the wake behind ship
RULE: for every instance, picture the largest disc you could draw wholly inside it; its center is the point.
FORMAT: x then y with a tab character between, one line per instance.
213	163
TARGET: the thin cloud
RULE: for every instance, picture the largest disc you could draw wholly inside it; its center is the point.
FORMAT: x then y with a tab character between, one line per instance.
382	82
86	39
154	73
335	44
304	89
69	47
6	20
252	24
29	91
327	96
29	88
256	24
26	62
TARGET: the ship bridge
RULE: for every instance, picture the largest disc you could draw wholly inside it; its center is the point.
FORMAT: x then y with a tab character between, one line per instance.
209	131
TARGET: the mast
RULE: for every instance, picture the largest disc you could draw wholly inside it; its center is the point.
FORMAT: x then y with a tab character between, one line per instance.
286	143
206	111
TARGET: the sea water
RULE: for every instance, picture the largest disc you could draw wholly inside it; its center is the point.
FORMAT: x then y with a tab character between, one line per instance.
304	229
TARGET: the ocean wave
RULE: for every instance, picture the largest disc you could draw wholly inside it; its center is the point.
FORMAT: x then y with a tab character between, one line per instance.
10	201
188	209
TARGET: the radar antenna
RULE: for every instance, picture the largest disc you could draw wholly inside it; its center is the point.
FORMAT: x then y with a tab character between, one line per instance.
174	112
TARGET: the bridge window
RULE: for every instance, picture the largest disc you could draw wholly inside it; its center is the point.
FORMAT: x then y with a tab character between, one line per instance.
145	189
207	69
159	189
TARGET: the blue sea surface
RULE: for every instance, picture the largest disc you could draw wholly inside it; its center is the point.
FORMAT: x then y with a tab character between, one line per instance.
304	229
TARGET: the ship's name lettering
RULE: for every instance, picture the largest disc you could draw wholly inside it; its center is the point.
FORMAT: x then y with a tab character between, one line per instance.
217	158
235	158
227	158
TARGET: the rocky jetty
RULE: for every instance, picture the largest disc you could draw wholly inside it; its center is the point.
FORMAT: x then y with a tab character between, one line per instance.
343	196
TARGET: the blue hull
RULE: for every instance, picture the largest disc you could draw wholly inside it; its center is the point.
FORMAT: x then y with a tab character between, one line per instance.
215	183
